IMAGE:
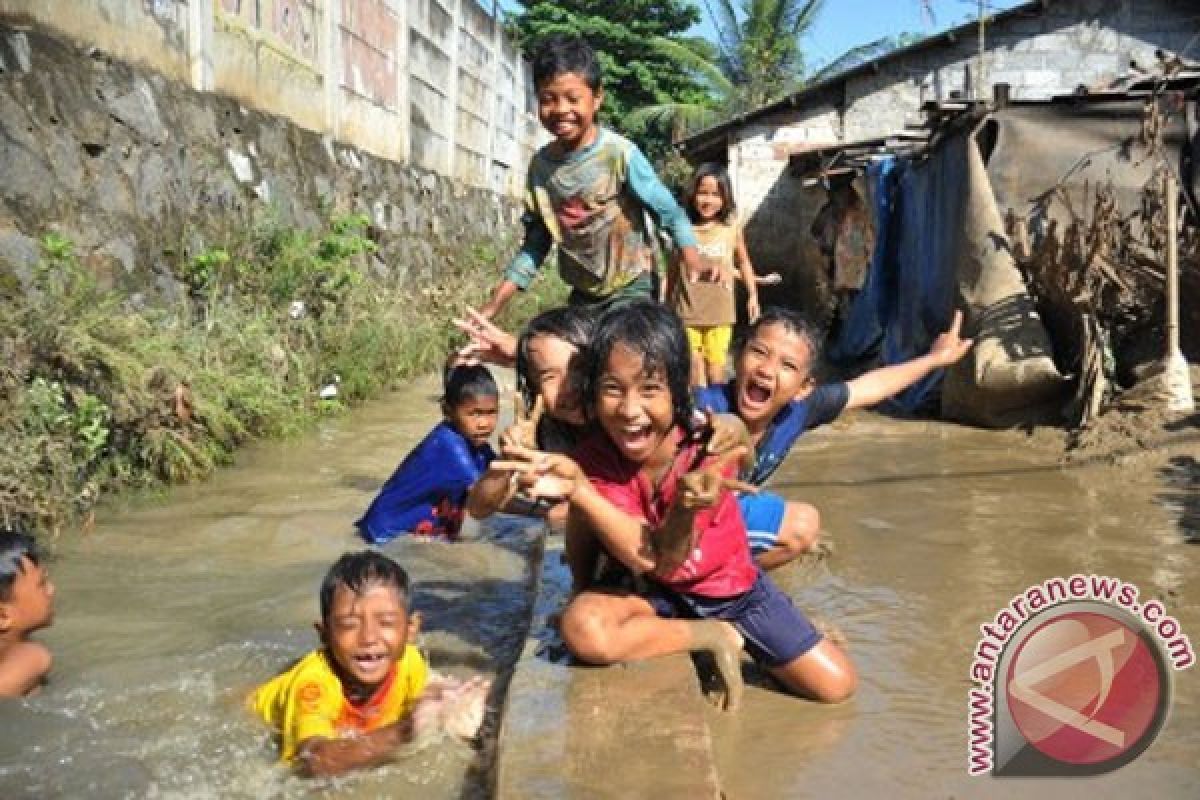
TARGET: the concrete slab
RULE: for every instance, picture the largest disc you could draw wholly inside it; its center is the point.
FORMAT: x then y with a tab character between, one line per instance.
573	731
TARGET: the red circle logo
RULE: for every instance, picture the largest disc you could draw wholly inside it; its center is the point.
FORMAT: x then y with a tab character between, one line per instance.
1084	688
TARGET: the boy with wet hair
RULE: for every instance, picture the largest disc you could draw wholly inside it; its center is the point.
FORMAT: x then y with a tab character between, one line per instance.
26	604
366	691
588	192
427	492
774	393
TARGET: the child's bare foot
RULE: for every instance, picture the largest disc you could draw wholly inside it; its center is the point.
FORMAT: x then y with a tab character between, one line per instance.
724	642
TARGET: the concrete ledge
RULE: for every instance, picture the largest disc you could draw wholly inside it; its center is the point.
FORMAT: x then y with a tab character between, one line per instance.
572	731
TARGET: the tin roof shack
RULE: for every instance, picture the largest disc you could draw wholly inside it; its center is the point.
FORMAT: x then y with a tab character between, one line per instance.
1044	220
1040	49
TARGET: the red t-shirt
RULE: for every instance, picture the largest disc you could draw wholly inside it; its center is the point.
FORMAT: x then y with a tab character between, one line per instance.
720	565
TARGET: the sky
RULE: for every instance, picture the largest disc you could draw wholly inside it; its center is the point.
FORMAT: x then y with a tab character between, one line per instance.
844	24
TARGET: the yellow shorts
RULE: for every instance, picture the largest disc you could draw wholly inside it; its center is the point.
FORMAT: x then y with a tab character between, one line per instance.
711	341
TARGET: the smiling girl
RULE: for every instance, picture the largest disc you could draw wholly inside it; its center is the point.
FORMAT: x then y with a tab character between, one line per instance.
645	487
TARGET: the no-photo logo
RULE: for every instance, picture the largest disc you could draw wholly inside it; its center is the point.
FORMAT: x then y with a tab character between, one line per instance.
1073	687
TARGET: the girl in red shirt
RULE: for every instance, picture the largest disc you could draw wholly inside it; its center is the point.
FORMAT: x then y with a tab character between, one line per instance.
645	487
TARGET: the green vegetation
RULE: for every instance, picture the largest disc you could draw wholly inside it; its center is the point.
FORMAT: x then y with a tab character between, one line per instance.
97	394
623	32
758	59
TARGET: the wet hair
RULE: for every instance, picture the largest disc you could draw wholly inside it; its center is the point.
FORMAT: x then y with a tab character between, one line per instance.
560	55
573	324
15	545
655	333
464	383
793	322
717	173
359	571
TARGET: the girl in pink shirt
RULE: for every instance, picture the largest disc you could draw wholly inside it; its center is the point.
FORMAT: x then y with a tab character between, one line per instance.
645	487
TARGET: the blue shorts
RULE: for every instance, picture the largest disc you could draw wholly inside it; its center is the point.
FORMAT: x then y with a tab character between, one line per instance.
763	515
776	632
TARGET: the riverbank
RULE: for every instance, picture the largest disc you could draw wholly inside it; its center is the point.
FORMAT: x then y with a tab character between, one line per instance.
279	327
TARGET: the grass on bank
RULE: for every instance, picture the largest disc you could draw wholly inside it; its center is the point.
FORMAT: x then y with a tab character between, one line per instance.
98	394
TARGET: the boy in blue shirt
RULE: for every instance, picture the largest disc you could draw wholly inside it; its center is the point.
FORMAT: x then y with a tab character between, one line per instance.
427	492
774	393
587	192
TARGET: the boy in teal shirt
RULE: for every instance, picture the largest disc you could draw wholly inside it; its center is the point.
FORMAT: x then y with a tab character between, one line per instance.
587	192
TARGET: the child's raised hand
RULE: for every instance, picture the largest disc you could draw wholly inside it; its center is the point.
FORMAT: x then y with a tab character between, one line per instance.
949	347
701	488
539	474
488	342
727	432
523	431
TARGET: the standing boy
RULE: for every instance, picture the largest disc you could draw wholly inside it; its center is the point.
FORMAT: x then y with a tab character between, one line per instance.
587	192
366	691
427	492
26	604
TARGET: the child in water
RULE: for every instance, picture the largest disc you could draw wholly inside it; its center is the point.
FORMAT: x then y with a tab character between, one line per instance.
705	301
774	393
644	486
26	604
427	492
366	691
588	192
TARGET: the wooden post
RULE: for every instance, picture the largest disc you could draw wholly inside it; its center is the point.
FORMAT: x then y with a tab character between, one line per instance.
1178	377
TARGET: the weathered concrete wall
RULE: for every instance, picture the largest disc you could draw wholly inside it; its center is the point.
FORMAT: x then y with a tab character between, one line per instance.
141	171
1069	43
430	82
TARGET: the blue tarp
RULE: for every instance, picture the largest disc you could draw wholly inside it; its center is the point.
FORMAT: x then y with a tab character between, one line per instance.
909	293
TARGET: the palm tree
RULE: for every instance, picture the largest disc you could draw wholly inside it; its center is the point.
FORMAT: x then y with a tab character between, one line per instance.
757	59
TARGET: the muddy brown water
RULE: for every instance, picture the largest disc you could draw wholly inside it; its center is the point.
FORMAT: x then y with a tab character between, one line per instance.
936	528
173	608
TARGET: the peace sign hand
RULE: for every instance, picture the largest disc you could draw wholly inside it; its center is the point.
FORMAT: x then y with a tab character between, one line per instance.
537	474
701	488
523	431
488	343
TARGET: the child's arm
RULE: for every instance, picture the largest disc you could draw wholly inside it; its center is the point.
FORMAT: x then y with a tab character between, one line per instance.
742	258
650	192
491	493
626	537
488	342
525	264
23	667
880	384
322	757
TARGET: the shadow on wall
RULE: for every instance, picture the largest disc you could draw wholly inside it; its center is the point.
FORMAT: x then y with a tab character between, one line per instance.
779	239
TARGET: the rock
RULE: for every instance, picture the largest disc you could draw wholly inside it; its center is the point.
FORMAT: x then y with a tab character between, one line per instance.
123	250
153	187
17	44
138	112
24	175
243	166
21	254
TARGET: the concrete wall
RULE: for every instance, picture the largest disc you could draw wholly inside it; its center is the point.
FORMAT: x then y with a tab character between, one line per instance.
143	173
430	82
1050	52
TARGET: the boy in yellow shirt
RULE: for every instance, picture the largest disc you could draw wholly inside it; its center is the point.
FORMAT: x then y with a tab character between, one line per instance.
353	702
